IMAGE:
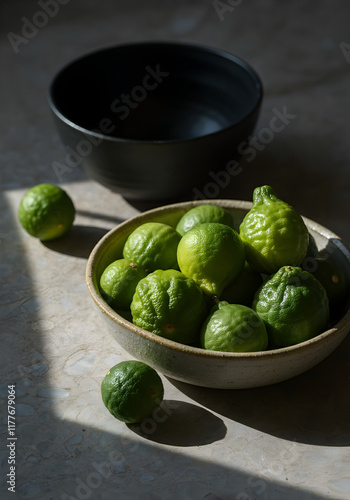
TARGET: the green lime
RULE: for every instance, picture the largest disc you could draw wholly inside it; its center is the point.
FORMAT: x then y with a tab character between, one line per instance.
274	234
46	212
203	213
233	328
131	391
118	282
243	288
331	276
212	254
170	305
153	245
294	306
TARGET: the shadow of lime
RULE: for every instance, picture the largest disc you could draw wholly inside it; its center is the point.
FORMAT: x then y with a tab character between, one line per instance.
178	423
78	241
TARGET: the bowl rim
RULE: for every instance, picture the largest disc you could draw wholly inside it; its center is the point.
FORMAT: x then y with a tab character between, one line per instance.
176	44
307	345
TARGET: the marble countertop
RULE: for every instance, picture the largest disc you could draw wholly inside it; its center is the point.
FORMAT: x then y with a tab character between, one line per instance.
287	441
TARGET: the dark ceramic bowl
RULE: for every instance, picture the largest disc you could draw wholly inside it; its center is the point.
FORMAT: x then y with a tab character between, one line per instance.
152	120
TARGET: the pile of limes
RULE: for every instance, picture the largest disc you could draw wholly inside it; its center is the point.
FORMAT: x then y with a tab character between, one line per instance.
206	284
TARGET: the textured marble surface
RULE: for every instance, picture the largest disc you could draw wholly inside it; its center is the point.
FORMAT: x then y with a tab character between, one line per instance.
287	441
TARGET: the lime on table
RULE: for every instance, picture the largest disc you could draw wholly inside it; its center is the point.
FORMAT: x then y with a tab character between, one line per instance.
153	245
46	212
203	213
118	282
233	328
294	306
170	305
131	390
212	254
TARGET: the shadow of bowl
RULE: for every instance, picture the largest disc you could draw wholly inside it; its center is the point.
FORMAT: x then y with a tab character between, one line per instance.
312	408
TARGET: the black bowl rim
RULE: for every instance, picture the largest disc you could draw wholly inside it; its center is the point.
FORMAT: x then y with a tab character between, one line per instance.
201	47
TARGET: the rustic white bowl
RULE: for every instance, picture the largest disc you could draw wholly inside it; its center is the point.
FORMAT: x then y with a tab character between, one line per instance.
199	366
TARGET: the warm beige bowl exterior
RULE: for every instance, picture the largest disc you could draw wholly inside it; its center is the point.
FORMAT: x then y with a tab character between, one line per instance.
202	367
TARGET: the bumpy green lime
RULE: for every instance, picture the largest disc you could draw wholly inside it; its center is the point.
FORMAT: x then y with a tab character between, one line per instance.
212	254
274	234
233	328
243	288
131	391
203	213
294	306
153	245
169	304
118	282
46	212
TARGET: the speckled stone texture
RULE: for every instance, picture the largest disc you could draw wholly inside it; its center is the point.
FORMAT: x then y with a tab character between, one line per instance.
287	441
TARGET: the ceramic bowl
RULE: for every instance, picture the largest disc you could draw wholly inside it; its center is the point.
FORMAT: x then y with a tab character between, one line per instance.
203	367
152	120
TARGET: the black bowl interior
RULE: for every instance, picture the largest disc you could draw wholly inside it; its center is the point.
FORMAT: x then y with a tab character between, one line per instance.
166	91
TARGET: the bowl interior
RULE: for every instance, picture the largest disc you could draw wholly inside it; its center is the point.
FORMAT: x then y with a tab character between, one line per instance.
156	91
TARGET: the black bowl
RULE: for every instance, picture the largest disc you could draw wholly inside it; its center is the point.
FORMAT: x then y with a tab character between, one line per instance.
152	120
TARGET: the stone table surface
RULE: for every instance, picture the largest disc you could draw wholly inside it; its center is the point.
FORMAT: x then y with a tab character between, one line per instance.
287	441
